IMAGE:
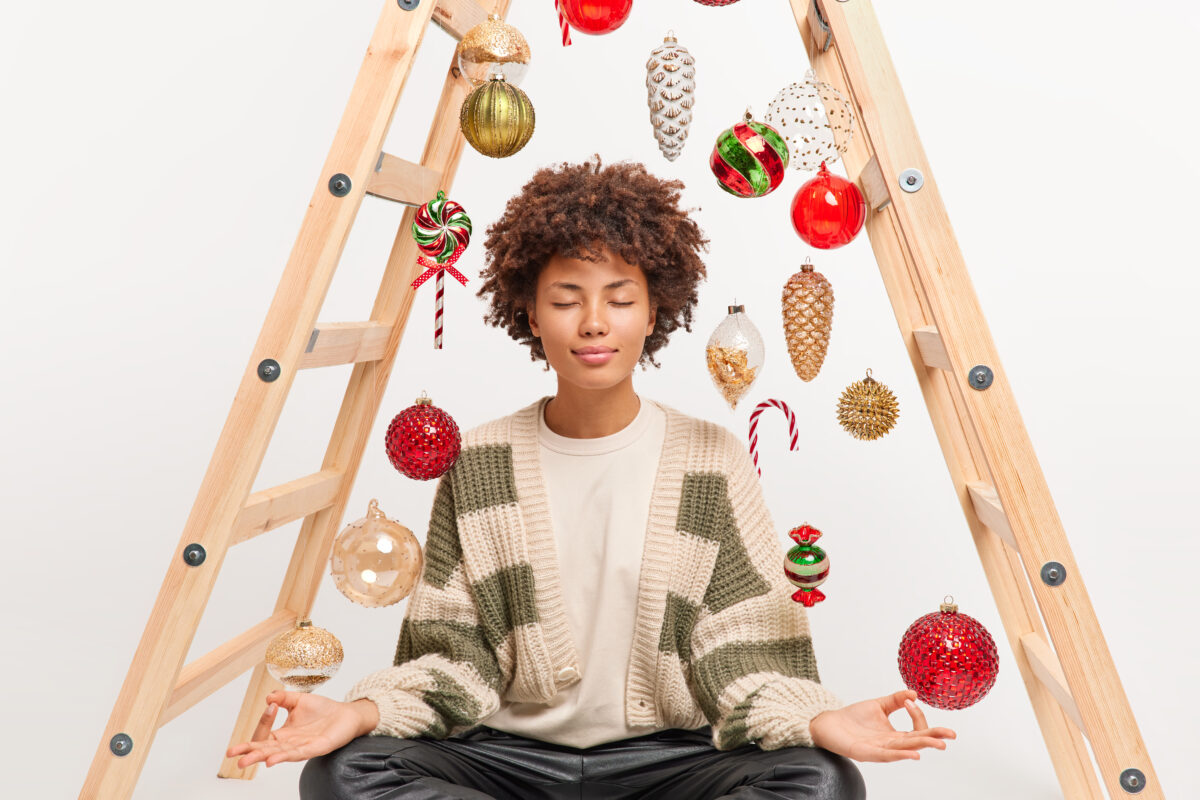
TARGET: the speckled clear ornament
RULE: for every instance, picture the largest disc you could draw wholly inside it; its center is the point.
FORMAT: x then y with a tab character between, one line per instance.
735	355
815	120
304	657
375	561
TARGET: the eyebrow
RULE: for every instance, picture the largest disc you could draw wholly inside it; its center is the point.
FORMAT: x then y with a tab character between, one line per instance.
576	287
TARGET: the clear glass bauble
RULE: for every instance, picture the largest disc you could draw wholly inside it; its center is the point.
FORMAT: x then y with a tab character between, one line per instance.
375	561
735	355
815	120
493	47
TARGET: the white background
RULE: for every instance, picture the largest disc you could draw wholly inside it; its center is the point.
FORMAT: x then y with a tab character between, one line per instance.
159	160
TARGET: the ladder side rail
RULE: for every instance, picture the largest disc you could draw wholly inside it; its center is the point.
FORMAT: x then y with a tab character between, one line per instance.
924	227
960	445
158	660
360	405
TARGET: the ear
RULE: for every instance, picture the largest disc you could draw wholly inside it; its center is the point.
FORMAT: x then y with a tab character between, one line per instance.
533	325
653	319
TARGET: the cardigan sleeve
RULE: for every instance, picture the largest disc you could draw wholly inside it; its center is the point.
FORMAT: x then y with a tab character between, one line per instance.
753	671
445	676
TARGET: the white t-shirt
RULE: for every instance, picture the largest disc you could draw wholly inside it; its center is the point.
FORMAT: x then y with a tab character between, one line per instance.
599	491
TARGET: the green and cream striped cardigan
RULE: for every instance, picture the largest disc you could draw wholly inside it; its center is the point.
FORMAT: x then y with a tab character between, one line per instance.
717	638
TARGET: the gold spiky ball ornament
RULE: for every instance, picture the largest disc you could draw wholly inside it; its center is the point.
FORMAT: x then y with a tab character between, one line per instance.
807	319
867	409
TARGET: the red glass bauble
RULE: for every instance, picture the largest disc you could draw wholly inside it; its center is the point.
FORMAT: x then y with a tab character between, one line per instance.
949	659
423	441
828	211
595	16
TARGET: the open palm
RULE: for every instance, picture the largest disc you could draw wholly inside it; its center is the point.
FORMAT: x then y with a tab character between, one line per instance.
315	726
862	731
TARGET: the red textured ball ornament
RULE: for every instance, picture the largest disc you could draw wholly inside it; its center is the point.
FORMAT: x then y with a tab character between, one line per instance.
423	441
949	659
595	16
828	211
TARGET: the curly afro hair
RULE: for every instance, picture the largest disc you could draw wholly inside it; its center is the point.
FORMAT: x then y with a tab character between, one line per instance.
577	211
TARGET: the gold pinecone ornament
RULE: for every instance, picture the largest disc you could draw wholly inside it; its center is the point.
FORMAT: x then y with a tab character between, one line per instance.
807	319
868	409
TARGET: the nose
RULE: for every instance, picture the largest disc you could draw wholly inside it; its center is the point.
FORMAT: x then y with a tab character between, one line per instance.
594	323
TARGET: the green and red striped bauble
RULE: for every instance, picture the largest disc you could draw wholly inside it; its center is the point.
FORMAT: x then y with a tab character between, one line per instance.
806	565
440	227
749	159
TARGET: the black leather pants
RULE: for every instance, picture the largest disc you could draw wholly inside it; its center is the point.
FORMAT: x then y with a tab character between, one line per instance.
485	764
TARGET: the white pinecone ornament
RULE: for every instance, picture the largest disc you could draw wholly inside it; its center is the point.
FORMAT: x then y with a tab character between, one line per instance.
807	319
671	90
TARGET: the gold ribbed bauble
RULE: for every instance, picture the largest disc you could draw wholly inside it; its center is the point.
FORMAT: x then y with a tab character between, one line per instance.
867	409
493	47
497	118
304	657
807	319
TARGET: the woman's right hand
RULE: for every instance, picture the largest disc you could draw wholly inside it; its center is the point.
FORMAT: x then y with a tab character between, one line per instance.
315	726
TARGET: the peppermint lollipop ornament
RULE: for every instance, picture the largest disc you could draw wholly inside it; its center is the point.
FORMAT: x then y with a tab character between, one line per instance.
441	229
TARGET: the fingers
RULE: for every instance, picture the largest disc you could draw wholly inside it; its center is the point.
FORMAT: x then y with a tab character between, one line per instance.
916	743
895	701
886	755
265	723
918	716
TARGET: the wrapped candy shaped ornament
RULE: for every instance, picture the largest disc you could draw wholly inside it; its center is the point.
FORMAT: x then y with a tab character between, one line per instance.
806	565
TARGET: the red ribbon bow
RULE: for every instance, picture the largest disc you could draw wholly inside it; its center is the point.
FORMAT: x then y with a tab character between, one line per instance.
433	268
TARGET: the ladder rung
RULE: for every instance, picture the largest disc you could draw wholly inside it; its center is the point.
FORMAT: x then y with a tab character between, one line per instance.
457	17
991	513
279	505
403	181
1049	671
333	343
873	185
214	669
933	349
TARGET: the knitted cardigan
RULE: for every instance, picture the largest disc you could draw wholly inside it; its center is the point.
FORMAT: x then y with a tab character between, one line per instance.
717	638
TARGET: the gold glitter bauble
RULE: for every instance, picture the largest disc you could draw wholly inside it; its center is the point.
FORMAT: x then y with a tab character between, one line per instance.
304	657
493	47
868	409
375	561
497	118
671	92
807	320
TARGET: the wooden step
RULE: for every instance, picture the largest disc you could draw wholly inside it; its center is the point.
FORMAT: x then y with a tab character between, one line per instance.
933	349
991	512
1049	671
457	17
279	505
333	343
214	669
403	181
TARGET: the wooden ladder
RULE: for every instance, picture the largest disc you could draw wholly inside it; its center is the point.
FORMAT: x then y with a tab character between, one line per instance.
1000	483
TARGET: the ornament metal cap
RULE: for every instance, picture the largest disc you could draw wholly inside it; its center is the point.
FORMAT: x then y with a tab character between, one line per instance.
737	309
948	605
807	266
423	400
304	623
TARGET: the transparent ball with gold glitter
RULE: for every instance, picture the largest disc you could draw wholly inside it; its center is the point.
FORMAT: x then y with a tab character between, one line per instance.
493	47
375	561
868	409
735	355
815	120
304	657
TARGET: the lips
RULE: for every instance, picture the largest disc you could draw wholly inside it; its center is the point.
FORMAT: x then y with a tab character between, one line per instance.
594	355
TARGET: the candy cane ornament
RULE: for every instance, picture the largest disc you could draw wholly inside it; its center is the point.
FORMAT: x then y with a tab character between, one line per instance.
756	413
563	25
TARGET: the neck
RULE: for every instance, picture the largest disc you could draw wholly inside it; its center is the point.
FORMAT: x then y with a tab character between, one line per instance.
591	413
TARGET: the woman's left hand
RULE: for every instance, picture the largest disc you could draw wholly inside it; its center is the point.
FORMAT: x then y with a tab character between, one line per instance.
862	731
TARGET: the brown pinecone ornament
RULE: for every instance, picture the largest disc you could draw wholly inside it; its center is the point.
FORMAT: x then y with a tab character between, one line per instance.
868	409
807	319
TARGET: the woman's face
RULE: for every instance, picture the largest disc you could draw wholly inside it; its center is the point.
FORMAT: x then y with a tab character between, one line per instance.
593	318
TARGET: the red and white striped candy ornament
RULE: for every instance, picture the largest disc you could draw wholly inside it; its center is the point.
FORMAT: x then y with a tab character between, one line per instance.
441	229
793	434
563	24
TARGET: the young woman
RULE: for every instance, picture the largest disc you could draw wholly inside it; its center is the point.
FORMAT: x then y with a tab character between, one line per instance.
602	611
